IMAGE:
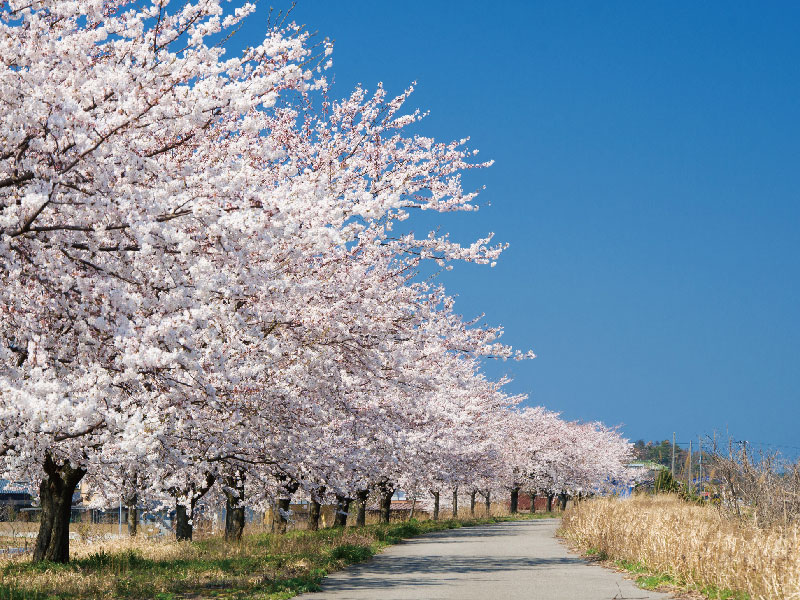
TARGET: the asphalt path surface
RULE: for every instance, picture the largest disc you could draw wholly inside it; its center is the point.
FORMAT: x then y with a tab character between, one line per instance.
517	560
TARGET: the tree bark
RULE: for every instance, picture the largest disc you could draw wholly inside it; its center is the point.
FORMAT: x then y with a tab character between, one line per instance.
133	517
361	517
533	502
132	502
514	500
455	502
342	509
314	509
280	518
472	503
55	492
435	506
387	491
234	507
562	500
183	528
488	504
549	502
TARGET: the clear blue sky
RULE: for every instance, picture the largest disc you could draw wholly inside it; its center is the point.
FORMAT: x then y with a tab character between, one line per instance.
647	176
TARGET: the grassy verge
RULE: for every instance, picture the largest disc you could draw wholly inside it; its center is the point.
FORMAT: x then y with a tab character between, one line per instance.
262	566
648	579
666	543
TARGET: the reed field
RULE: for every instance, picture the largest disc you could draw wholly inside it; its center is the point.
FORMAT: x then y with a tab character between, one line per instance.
689	544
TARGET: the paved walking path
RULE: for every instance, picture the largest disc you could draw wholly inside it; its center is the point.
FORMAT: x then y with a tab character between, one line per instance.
505	561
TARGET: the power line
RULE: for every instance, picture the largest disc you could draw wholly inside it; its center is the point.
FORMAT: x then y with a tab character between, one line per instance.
767	444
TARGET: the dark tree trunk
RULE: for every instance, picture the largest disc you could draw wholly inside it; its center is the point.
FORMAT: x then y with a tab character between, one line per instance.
55	492
280	518
514	500
361	517
132	502
472	503
183	528
314	509
133	518
280	515
133	514
533	502
234	507
435	506
413	507
488	504
549	502
562	500
234	520
455	502
387	492
342	510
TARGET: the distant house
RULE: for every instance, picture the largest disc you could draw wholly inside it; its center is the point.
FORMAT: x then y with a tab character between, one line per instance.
14	496
524	502
401	506
404	506
17	497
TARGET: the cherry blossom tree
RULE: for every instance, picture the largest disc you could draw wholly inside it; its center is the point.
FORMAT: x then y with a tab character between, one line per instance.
114	116
207	284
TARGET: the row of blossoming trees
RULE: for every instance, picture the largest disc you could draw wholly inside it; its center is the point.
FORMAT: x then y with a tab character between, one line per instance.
206	281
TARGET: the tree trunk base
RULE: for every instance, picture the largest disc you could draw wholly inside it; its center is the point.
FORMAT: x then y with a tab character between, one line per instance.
133	519
361	516
314	510
280	520
386	504
55	491
234	508
342	509
183	528
514	501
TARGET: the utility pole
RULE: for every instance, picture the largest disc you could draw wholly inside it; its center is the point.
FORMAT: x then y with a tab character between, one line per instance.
700	446
689	474
673	454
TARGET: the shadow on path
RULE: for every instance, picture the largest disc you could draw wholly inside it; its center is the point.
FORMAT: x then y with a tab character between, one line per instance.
435	570
504	530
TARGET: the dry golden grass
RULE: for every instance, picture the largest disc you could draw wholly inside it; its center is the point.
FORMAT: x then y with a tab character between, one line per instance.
693	543
141	567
